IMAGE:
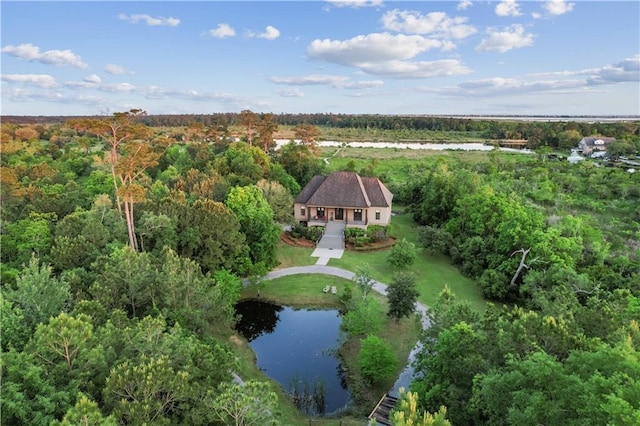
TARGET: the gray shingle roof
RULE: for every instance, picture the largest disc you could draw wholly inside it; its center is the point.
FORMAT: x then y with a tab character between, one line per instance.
309	189
591	141
345	189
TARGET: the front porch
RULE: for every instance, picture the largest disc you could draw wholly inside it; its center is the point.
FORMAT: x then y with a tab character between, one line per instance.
351	218
324	223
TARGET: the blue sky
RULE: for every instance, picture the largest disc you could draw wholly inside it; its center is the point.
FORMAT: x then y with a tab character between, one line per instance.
353	57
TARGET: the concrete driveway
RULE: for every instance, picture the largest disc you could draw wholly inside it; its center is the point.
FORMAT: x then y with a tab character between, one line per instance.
331	245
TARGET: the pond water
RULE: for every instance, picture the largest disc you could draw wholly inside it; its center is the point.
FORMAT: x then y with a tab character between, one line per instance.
297	348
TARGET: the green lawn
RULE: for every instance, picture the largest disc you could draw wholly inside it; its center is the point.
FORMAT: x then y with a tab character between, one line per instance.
432	272
305	290
289	256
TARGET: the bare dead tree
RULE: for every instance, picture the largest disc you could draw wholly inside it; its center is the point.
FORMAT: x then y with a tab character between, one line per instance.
579	290
522	265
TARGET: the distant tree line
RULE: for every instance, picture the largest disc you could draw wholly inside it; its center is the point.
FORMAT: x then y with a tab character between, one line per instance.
536	132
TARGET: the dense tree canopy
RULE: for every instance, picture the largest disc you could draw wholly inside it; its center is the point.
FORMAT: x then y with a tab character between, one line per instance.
115	314
256	219
95	330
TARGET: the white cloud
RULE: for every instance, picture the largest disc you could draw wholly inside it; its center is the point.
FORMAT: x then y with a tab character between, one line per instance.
355	4
506	85
376	47
368	84
513	37
387	55
114	69
222	31
19	95
311	80
626	70
292	92
501	87
558	82
118	87
558	7
335	81
229	99
93	78
464	4
92	81
30	52
270	33
150	20
40	80
420	69
536	15
436	23
508	8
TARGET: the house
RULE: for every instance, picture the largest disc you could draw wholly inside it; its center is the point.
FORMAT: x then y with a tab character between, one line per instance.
590	144
344	197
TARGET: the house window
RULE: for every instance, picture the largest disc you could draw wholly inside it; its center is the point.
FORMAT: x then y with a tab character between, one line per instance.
377	214
357	215
303	211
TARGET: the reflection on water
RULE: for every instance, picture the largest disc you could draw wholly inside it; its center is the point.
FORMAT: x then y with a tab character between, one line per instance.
256	318
297	348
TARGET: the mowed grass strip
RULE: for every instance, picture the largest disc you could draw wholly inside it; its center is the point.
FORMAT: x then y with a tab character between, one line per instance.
303	290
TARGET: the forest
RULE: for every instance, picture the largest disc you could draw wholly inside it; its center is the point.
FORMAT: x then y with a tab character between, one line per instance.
552	133
125	240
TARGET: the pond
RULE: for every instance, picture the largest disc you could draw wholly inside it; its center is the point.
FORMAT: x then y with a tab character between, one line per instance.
297	348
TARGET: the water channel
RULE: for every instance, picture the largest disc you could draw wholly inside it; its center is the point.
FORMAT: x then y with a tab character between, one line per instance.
444	146
297	348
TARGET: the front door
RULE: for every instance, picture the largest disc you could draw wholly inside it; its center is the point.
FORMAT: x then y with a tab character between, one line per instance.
339	214
357	215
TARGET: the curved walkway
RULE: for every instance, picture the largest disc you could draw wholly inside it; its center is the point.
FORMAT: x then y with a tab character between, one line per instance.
407	374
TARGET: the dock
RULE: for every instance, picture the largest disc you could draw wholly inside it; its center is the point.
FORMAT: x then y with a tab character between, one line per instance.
382	411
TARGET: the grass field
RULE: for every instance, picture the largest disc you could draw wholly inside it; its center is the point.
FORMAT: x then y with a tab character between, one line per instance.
381	135
433	272
394	165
